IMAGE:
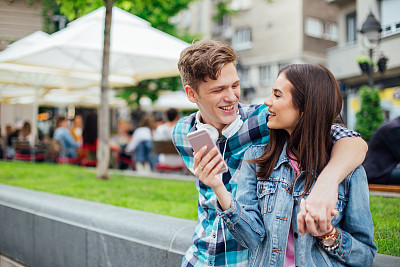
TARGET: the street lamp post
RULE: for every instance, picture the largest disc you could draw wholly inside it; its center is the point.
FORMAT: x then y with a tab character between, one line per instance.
371	30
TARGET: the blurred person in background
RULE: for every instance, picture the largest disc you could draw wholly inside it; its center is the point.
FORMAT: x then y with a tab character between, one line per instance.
89	132
164	133
76	129
382	162
89	138
8	138
118	143
141	145
25	133
65	139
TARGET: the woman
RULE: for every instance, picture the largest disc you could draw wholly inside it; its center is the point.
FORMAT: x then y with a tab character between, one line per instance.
276	177
141	144
65	139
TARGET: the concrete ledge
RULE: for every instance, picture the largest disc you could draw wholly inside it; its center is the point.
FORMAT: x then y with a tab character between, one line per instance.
41	229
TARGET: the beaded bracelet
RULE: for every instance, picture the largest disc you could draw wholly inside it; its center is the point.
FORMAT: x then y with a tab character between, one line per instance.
336	244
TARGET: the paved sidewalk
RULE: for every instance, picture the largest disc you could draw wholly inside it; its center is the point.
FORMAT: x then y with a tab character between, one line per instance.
386	261
384	194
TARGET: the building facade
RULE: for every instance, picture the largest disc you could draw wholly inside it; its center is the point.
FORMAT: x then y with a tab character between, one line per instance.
342	59
267	35
19	18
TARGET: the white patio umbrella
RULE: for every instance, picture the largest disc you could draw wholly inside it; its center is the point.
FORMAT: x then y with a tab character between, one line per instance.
138	50
90	97
168	100
29	84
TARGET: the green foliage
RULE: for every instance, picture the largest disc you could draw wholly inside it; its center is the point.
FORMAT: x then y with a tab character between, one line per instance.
167	197
363	59
370	115
223	9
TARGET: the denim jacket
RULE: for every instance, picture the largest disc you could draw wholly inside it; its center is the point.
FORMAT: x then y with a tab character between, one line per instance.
260	217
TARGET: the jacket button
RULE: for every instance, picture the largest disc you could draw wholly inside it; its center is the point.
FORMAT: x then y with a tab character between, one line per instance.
260	189
296	235
295	202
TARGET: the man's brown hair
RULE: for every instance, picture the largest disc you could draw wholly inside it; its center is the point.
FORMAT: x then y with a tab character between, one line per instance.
202	59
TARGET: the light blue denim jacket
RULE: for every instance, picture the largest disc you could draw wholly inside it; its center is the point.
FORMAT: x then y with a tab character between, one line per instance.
259	218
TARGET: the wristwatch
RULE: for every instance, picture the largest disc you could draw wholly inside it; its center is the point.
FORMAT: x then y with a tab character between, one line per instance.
330	240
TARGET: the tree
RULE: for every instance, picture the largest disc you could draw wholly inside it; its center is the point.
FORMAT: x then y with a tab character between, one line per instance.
157	12
370	115
103	149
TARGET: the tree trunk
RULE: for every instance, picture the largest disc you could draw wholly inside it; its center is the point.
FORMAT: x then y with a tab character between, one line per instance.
103	149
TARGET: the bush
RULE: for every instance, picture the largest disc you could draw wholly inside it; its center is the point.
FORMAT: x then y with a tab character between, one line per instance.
370	115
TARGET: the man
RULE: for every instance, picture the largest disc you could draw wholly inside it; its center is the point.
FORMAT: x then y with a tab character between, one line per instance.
210	78
164	133
383	157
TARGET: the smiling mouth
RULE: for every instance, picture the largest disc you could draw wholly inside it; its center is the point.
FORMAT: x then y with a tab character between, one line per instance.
227	108
272	113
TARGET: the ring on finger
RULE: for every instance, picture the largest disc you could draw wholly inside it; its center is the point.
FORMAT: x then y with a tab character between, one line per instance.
200	167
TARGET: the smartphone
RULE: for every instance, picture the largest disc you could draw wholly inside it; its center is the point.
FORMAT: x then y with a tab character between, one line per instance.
200	138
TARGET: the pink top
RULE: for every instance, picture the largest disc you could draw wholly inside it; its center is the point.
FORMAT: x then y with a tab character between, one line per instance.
289	258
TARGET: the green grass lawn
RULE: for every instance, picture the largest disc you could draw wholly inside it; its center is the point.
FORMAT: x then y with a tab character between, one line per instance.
167	197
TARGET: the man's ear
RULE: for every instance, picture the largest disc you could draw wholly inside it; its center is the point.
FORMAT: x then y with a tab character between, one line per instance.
191	94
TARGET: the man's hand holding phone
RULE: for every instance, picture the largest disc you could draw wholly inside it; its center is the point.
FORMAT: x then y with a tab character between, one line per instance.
208	161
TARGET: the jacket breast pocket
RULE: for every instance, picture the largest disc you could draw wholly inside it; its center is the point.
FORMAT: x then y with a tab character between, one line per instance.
266	193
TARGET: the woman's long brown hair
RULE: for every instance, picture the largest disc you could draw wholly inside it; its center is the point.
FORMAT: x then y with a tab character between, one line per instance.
316	94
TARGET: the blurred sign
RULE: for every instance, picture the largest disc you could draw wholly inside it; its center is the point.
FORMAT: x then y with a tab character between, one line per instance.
43	116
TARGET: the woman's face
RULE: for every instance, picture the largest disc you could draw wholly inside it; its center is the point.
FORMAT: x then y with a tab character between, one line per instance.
283	114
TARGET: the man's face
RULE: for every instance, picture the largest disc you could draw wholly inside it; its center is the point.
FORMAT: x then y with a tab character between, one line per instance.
218	99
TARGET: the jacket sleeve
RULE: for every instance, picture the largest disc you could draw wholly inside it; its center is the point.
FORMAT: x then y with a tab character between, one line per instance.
244	218
356	246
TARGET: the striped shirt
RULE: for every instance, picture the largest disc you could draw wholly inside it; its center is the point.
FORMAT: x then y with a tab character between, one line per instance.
213	245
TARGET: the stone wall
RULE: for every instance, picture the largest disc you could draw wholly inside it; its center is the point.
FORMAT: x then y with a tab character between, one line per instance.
46	230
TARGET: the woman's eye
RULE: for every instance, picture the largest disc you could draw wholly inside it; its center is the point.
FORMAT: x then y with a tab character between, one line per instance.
277	96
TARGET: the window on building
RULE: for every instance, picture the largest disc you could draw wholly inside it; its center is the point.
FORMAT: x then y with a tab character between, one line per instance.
351	25
314	27
265	75
244	77
241	4
282	64
242	39
331	31
390	16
